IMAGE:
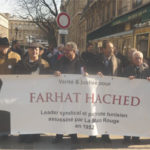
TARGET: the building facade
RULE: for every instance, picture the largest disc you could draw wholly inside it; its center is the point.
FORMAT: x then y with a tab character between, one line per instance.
25	31
124	22
4	25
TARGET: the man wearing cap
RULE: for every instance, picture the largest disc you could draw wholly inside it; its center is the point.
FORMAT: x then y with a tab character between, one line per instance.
32	62
34	65
8	58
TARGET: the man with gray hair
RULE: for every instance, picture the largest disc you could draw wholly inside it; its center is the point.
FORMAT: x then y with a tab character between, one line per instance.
138	69
68	64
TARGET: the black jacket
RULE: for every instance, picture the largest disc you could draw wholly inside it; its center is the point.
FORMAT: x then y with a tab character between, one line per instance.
141	72
90	61
64	65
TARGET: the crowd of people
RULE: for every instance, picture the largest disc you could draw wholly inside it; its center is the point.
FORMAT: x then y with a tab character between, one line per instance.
66	59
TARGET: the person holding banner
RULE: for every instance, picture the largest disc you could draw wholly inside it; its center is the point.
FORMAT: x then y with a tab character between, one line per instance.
68	64
140	70
108	65
8	60
34	65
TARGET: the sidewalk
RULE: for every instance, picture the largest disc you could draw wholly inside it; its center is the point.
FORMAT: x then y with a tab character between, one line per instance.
45	143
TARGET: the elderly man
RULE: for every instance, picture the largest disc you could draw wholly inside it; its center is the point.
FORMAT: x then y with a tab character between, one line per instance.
68	64
138	69
8	58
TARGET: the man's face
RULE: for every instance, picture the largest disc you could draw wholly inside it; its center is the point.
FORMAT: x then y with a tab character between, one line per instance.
34	53
137	59
3	49
109	50
69	53
90	48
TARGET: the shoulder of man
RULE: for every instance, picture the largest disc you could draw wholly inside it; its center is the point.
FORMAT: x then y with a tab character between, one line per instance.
14	55
145	65
117	59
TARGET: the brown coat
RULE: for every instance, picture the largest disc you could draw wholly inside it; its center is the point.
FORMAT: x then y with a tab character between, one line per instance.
26	67
8	62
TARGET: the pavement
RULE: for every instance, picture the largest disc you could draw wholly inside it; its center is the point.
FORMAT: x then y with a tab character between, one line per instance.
45	143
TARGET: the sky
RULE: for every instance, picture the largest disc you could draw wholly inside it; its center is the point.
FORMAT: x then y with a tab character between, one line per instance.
9	6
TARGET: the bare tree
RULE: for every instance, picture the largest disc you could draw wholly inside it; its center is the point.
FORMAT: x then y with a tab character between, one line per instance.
43	13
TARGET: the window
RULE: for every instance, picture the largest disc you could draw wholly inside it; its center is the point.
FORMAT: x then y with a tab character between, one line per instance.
136	3
142	43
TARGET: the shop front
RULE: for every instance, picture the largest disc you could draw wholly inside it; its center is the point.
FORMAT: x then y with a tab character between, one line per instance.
127	31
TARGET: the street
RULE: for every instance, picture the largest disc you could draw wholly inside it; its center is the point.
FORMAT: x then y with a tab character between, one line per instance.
45	143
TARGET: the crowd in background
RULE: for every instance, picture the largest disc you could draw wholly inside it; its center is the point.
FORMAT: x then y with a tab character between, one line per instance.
66	59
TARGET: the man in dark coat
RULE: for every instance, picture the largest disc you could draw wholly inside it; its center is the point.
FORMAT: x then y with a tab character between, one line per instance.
140	70
68	64
108	65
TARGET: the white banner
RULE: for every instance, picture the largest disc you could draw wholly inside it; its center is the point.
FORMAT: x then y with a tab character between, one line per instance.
74	104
